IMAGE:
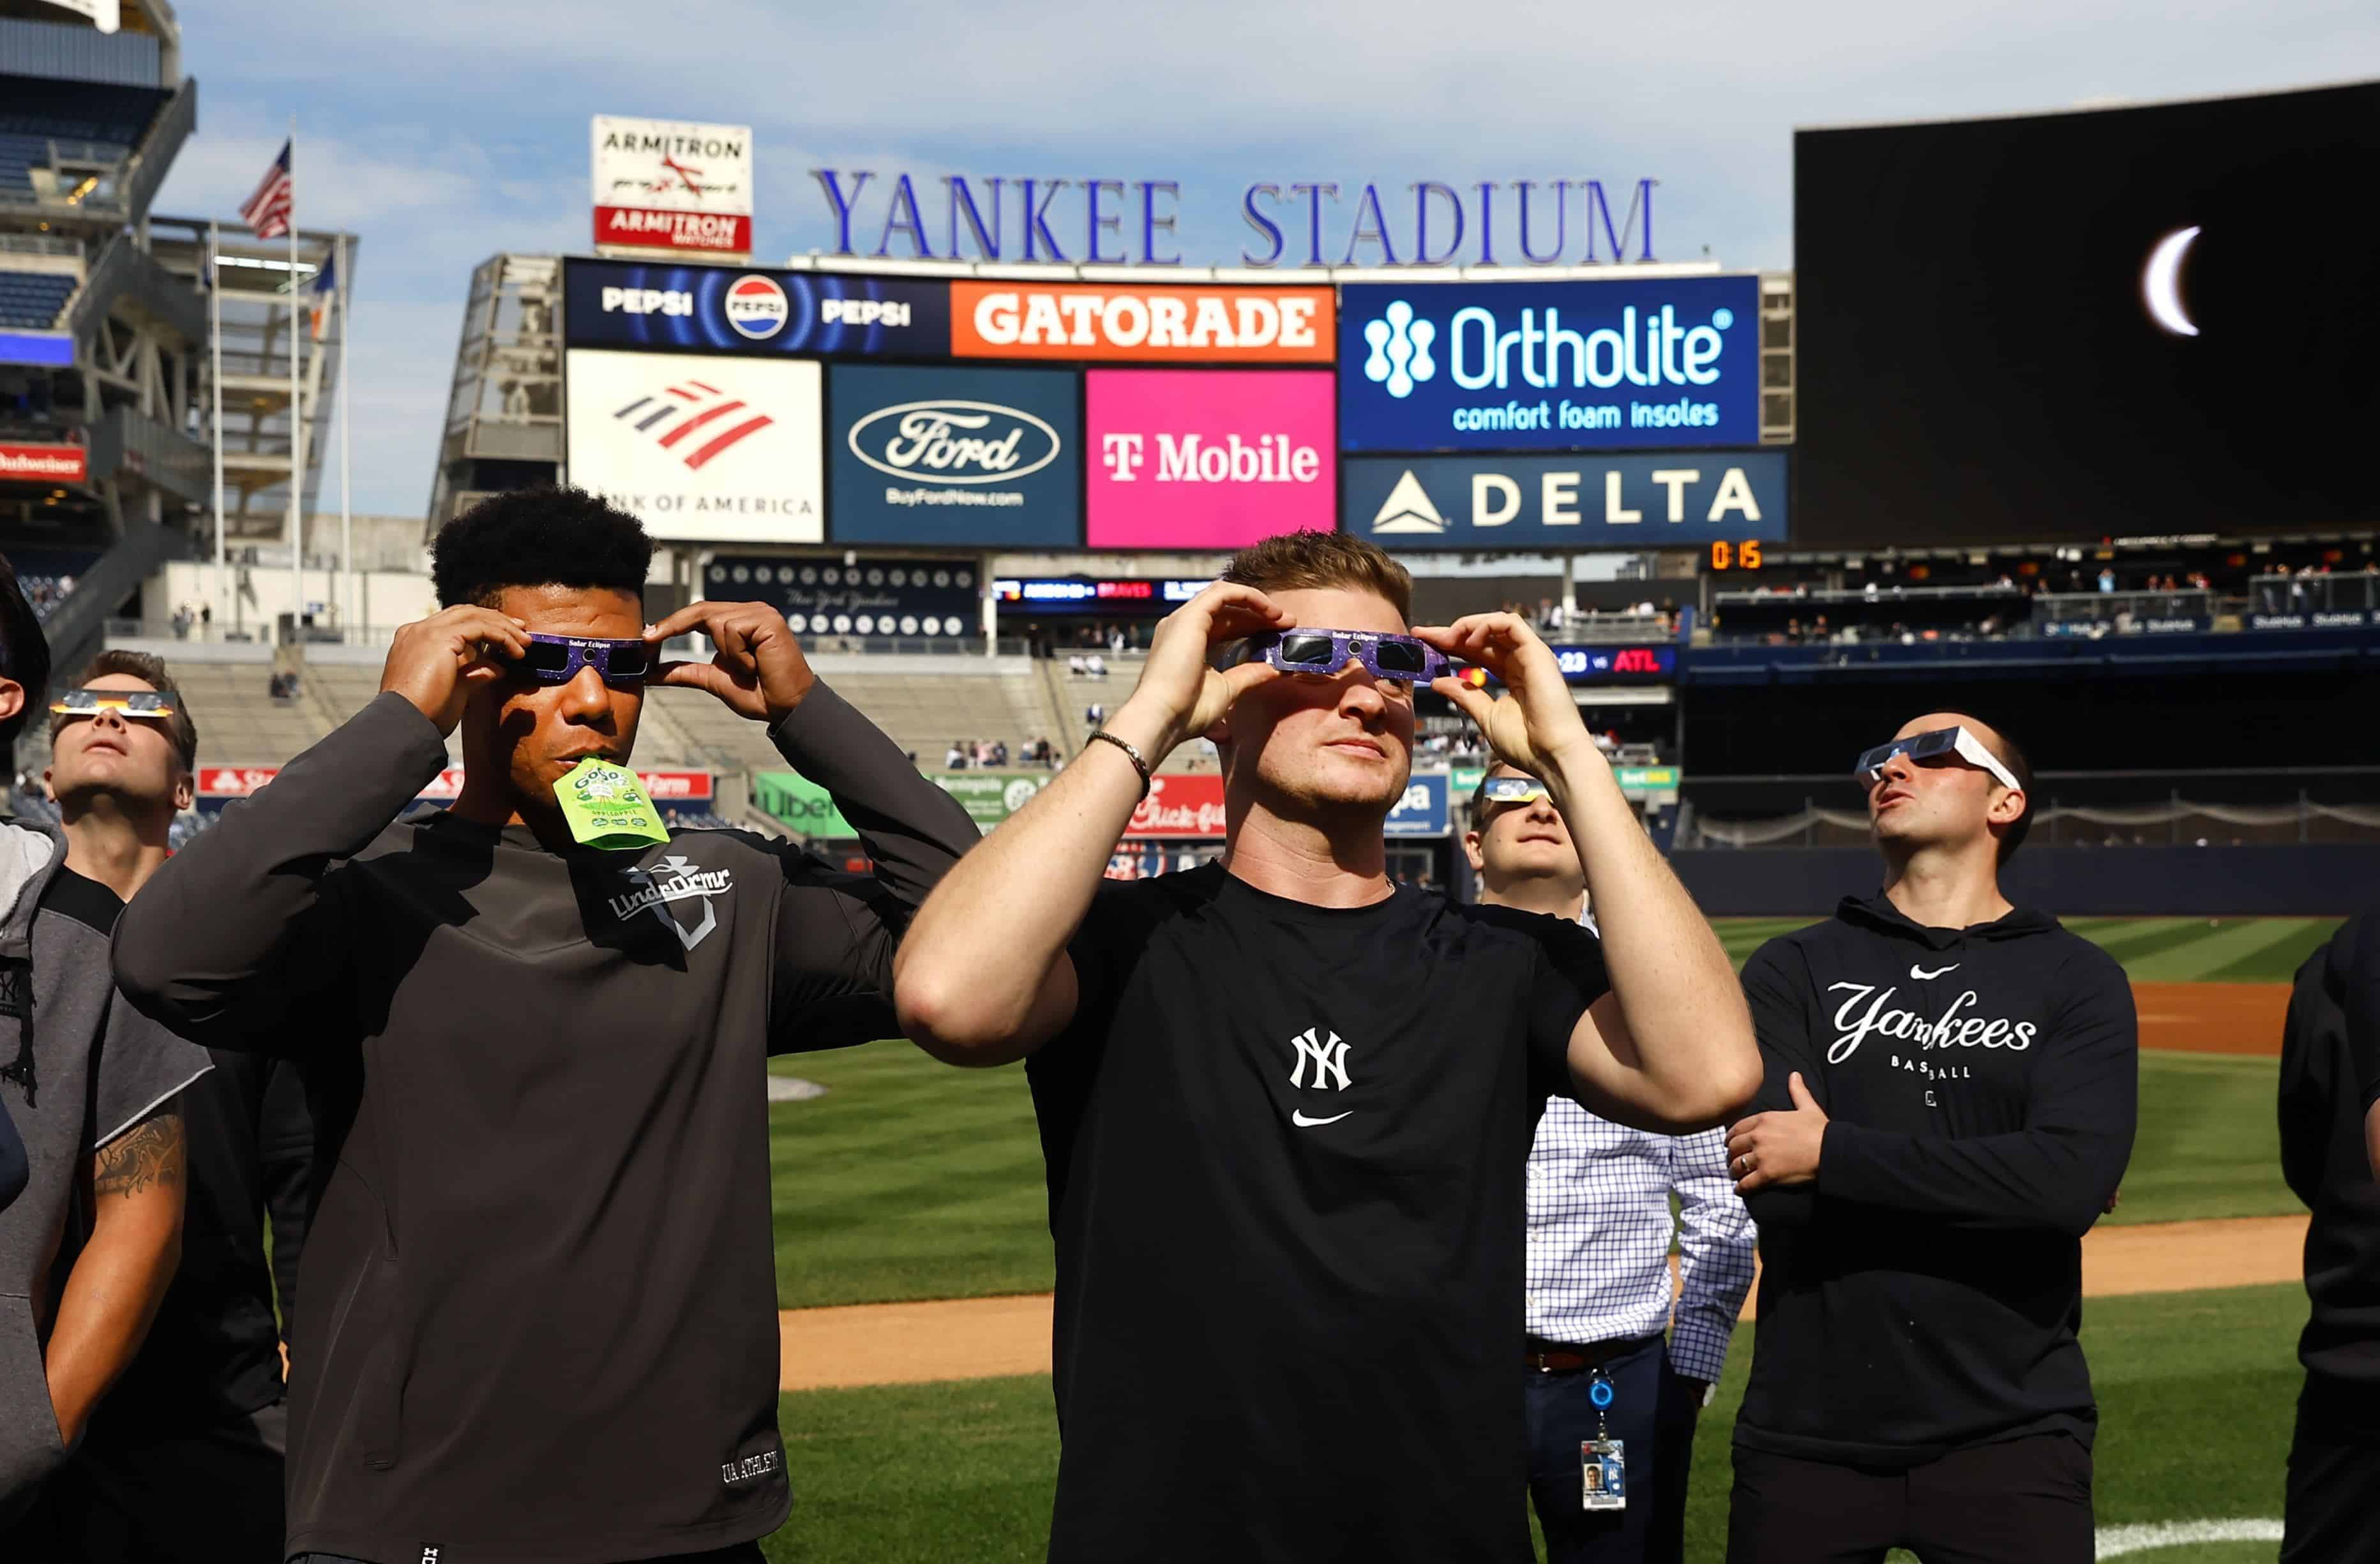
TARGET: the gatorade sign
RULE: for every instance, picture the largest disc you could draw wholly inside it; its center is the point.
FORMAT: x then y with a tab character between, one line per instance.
1217	325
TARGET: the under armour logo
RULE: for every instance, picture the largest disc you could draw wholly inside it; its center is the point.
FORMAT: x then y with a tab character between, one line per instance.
1121	453
1328	1060
1399	349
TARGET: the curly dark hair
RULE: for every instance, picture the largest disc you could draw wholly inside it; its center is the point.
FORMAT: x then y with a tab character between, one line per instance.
547	536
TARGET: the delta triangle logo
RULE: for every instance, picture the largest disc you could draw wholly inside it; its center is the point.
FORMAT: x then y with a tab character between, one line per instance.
1407	509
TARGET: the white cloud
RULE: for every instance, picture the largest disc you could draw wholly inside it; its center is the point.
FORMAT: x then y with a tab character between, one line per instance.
445	131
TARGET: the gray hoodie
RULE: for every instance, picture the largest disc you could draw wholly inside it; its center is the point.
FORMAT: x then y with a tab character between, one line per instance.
79	1067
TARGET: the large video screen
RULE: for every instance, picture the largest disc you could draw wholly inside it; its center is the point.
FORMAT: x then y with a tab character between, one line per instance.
2110	322
704	449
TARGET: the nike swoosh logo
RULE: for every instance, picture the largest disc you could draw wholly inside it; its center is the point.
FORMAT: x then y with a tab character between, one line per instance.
1921	975
1299	1119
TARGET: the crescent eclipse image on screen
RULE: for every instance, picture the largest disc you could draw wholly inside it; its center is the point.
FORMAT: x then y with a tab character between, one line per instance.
2113	323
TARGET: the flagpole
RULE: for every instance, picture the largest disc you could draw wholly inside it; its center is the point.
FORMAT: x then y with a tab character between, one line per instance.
347	515
214	296
297	418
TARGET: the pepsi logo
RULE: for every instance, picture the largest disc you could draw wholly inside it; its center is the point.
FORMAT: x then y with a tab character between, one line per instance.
757	306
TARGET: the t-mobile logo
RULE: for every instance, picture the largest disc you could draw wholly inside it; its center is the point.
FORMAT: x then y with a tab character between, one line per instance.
1122	453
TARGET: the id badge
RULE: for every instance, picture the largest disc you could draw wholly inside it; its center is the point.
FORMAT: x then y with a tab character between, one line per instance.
1606	1465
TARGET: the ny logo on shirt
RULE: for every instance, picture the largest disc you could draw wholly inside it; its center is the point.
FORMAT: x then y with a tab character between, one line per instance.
1328	1060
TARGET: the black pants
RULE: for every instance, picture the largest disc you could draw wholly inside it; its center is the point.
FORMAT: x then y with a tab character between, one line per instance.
208	1495
2334	1494
2024	1501
1654	1410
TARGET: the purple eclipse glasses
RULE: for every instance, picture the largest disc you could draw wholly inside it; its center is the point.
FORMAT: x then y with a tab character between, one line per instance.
1400	659
556	660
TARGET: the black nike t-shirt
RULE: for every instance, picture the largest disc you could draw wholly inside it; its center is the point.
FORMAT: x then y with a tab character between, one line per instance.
1285	1151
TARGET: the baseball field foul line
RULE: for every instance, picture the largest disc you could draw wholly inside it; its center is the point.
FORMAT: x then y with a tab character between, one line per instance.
2116	1542
989	1338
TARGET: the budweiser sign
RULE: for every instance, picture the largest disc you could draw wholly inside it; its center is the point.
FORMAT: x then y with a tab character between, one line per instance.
1180	806
44	463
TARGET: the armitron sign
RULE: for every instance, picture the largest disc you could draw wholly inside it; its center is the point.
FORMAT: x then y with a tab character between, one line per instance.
1254	326
670	184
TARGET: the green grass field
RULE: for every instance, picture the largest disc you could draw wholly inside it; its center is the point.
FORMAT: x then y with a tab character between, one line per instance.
913	1180
2154	949
910	1180
2195	1395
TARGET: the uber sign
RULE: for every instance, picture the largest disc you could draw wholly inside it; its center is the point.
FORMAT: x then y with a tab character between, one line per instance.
1572	502
682	308
1550	366
982	457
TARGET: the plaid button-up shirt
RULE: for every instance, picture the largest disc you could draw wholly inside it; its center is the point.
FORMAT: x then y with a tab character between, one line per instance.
1599	1233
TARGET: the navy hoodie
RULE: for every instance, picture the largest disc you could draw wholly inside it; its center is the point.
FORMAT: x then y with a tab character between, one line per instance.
1922	1295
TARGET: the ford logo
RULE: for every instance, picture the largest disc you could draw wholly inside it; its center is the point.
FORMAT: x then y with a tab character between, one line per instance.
953	442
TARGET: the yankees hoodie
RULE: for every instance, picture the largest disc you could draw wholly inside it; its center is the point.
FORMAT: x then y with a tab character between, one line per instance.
538	1311
1923	1294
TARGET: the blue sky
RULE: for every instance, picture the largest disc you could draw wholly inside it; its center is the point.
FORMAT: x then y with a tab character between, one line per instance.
442	131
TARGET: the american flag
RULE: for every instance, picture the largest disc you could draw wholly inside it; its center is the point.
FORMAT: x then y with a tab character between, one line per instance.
267	211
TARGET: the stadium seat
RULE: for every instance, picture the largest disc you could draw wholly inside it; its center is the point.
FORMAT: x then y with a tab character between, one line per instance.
33	299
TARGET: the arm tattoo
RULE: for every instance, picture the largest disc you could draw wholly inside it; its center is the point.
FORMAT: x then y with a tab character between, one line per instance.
149	1156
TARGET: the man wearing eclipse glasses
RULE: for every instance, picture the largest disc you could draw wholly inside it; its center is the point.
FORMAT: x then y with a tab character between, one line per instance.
1950	1105
93	1087
1284	1103
540	1313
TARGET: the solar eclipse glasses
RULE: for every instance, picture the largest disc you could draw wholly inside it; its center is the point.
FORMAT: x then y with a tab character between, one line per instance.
1397	658
1926	748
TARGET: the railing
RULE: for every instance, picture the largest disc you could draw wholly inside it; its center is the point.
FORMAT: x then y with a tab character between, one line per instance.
1614	629
2313	594
38	244
1829	596
128	439
153	159
2052	610
123	267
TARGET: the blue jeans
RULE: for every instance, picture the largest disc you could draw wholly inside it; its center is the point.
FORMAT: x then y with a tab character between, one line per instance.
1560	1418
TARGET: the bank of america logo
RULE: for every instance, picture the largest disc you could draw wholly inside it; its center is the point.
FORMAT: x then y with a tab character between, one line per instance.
693	410
1400	357
1407	509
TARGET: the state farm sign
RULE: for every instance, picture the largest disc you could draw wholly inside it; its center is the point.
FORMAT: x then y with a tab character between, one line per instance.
44	463
668	185
1207	458
1181	324
1180	806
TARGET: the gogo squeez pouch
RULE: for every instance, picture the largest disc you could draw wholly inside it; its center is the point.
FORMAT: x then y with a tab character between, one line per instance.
607	808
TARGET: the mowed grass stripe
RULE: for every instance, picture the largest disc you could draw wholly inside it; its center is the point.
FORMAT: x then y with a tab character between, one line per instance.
961	1473
2279	962
2208	1143
909	1179
2226	945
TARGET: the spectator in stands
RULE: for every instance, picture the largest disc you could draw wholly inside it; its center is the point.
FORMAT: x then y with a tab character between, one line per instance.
1916	1364
196	1424
1000	752
1199	1043
2330	1150
956	759
1096	666
93	1087
1095	714
597	1078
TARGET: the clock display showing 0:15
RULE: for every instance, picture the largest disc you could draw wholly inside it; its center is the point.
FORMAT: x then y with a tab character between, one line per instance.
1736	556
